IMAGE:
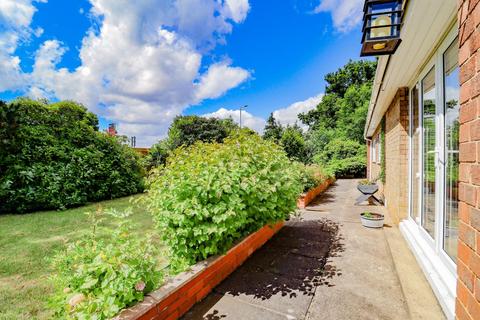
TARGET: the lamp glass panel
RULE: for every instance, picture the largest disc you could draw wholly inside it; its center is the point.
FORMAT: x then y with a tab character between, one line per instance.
378	21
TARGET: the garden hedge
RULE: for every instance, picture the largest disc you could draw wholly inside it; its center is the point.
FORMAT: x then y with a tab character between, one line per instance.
52	156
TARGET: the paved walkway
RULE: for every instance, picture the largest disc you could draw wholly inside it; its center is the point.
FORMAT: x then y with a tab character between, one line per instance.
325	265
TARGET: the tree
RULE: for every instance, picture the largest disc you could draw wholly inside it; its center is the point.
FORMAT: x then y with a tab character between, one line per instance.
293	143
326	114
185	131
353	73
273	129
352	112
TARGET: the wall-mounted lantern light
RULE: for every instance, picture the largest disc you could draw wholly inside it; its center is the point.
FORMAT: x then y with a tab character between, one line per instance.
382	21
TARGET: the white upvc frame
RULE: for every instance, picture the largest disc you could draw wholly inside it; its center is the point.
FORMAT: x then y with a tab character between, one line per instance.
437	265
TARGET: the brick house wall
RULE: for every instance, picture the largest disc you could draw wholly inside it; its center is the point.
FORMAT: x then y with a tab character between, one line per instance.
395	189
468	264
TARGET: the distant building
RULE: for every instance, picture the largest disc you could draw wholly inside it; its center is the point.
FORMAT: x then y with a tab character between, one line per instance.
112	130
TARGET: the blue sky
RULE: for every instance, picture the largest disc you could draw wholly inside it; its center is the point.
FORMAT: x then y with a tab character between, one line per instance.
141	63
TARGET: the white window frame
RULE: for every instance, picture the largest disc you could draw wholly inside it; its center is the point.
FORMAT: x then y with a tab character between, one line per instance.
437	265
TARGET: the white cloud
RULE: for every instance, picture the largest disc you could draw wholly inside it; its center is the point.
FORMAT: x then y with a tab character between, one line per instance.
218	79
289	115
286	116
15	19
140	68
248	120
346	14
237	9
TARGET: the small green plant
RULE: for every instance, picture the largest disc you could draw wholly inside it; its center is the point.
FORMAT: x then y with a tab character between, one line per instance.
313	176
365	182
368	215
211	194
96	278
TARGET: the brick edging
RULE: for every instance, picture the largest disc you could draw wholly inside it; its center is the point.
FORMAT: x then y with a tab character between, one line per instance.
308	197
180	293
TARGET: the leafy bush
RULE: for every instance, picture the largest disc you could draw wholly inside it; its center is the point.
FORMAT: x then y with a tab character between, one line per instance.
344	158
313	176
52	157
96	278
210	195
348	168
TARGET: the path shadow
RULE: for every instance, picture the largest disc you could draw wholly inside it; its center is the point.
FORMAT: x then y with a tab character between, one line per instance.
293	262
325	197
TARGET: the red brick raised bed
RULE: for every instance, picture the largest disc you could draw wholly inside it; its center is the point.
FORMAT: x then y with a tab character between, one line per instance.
308	197
180	293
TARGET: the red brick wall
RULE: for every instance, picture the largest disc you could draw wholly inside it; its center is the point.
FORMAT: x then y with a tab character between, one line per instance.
468	264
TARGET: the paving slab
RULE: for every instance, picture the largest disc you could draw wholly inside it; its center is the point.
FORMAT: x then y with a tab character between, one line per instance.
321	265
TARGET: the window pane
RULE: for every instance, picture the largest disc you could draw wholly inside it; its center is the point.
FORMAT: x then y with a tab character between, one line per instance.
429	141
452	126
415	156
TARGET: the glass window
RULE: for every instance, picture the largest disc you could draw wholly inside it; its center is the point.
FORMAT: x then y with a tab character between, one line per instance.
429	156
452	125
415	134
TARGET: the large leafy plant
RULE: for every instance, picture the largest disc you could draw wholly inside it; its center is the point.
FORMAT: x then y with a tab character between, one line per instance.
209	195
52	156
97	277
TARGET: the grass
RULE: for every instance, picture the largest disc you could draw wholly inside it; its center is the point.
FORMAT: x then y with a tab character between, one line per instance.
26	243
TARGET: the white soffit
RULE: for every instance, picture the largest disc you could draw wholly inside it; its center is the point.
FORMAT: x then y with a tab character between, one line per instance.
425	24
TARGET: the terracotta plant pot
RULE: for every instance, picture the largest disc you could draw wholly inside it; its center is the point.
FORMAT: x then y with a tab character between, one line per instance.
372	220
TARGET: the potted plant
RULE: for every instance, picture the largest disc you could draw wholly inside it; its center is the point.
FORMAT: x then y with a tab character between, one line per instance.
367	187
372	220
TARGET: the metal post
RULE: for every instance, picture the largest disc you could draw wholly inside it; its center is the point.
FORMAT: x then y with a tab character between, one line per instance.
241	108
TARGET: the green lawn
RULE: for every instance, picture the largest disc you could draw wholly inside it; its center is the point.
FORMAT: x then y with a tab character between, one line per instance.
26	243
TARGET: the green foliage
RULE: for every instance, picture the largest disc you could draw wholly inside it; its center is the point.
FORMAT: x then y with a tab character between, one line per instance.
273	129
157	155
353	73
335	136
313	176
185	131
53	157
352	112
324	116
344	158
209	195
97	277
293	143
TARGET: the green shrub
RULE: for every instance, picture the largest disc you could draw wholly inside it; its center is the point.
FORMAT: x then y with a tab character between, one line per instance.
313	176
348	168
343	158
210	195
96	278
52	156
293	143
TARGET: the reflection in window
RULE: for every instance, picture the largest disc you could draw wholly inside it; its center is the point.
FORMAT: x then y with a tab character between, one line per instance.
452	126
415	155
429	142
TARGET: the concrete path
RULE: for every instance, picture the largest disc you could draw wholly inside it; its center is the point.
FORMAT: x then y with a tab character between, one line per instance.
325	265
